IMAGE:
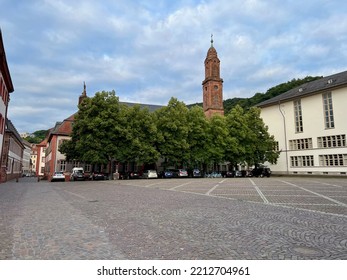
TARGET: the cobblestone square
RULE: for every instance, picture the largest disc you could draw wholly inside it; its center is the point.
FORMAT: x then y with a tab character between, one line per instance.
185	219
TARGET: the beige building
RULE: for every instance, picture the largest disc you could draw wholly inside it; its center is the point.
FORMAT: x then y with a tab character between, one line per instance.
309	123
26	160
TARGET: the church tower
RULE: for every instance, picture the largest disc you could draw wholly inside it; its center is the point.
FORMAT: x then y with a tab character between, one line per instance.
212	86
83	95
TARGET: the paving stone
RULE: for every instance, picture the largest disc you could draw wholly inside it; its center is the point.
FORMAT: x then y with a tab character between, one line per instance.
201	220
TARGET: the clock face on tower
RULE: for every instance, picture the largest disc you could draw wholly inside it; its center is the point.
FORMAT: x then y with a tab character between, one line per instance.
215	87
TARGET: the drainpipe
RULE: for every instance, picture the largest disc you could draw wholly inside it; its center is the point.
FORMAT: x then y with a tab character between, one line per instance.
285	135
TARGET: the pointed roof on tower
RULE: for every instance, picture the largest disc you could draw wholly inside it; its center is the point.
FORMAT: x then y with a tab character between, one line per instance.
211	53
83	95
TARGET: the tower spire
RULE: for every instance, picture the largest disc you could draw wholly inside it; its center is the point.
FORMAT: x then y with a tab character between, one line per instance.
211	40
83	95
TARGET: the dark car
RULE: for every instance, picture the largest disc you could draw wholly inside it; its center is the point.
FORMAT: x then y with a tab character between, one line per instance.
228	174
77	176
195	173
166	174
133	175
261	172
98	176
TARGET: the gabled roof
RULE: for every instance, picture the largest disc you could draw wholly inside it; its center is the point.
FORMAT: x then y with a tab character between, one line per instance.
324	84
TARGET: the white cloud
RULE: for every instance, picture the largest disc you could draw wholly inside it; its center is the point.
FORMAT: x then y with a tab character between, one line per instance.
149	52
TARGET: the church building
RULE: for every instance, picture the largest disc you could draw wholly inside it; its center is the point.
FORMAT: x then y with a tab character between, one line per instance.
212	86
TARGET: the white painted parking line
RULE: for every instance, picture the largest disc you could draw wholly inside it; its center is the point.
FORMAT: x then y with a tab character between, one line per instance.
222	181
327	184
173	188
259	191
150	185
318	194
211	190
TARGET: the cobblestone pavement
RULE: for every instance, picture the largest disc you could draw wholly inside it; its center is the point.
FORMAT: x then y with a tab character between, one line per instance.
233	218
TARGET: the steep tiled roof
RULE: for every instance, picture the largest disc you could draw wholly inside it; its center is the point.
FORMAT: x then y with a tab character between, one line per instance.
317	86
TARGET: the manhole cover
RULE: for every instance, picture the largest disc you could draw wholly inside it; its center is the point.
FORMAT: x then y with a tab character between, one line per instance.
303	250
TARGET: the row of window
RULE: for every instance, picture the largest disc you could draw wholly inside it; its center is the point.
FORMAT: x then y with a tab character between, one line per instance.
332	141
324	160
327	109
62	165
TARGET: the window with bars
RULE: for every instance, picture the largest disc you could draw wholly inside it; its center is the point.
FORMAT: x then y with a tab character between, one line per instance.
328	110
301	161
333	160
332	141
300	144
298	116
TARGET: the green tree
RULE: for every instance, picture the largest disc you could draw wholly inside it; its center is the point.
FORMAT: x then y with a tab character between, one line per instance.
141	136
37	136
198	136
259	145
238	130
98	130
218	139
173	130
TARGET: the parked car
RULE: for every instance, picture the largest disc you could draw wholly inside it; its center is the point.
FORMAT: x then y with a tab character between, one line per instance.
77	174
58	176
150	174
133	175
261	172
227	174
167	174
98	176
178	173
195	173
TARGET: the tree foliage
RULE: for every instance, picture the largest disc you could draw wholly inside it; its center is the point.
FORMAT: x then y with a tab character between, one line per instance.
173	131
36	137
106	130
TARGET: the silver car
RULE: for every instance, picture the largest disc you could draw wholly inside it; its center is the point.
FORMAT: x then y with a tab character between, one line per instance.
150	174
58	176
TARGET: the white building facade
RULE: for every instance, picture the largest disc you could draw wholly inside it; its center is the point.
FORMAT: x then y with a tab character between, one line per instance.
310	125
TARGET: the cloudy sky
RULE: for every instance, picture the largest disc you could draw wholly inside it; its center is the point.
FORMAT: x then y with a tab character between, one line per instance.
149	51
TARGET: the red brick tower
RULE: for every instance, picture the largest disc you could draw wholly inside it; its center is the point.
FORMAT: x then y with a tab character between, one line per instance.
212	86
